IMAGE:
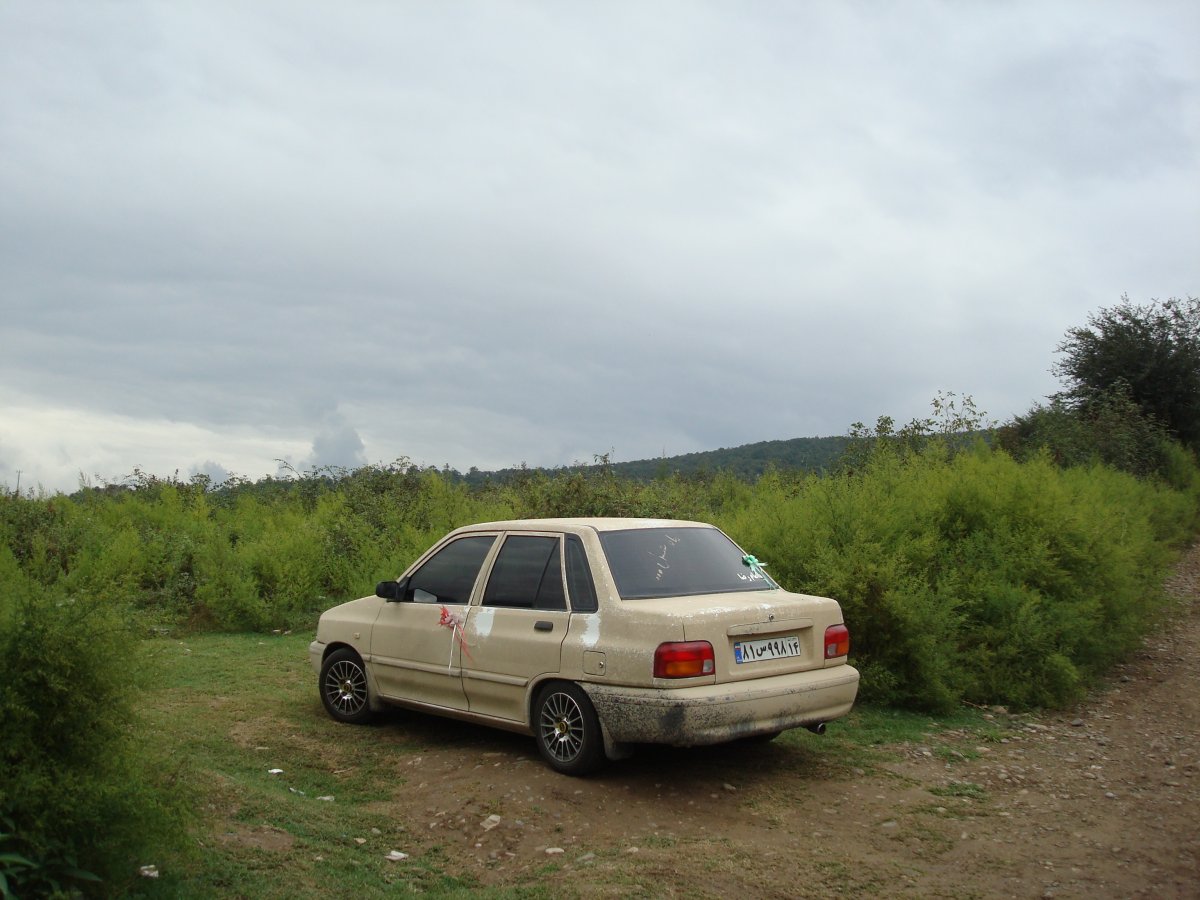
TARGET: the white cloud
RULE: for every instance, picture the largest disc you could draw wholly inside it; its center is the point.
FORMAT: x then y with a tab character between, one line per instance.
56	448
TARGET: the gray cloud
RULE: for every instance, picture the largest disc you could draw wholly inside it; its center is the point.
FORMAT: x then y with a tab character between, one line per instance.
216	473
337	444
540	231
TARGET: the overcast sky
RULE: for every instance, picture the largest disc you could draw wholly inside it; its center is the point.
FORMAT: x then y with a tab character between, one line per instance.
490	233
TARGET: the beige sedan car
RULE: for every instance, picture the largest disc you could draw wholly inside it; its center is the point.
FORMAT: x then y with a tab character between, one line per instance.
592	635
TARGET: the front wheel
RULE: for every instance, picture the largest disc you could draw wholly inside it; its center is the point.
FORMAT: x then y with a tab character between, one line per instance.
567	730
343	687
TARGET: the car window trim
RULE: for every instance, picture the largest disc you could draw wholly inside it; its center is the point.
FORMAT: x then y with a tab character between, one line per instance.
490	561
484	566
770	585
593	602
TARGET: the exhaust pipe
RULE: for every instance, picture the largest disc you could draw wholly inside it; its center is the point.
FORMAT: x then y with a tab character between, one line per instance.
817	728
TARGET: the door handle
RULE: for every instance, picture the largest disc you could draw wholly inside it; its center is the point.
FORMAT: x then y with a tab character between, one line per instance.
543	625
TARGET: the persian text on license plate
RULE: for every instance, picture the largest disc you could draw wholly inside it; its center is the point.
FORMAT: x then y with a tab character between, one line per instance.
771	648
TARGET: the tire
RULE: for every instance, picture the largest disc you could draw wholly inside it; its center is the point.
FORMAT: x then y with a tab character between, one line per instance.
343	687
567	729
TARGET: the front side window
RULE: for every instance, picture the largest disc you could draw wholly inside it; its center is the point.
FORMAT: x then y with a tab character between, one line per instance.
527	574
449	575
678	562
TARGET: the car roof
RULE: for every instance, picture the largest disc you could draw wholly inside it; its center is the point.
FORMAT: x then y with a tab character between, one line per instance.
597	523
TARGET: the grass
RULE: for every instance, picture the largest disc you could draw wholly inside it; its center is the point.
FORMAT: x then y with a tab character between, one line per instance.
965	789
867	735
235	707
225	710
954	754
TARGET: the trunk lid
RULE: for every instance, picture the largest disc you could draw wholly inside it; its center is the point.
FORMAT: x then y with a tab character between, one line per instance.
754	634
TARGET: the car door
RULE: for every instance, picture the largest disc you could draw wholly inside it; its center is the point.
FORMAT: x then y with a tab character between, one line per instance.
515	633
417	641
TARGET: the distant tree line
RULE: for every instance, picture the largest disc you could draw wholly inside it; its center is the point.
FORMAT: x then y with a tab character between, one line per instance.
747	461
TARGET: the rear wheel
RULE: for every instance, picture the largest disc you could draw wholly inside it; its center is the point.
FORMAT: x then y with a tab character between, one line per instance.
343	687
568	730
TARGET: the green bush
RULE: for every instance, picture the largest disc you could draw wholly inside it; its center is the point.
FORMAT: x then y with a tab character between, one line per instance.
963	572
77	800
1111	429
970	575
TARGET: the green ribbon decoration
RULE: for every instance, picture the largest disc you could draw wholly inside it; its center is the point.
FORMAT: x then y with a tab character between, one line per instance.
758	567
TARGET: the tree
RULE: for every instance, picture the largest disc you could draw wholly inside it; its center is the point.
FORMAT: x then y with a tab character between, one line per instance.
1149	352
1111	429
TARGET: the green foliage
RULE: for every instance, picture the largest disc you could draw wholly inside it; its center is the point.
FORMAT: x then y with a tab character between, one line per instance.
600	492
1179	470
964	571
55	874
1110	429
967	789
75	794
971	575
1151	350
954	425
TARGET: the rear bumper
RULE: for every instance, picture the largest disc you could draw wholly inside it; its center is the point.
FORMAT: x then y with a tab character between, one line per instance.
713	714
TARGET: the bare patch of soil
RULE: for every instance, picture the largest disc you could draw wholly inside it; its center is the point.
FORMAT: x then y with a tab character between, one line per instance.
1102	800
264	837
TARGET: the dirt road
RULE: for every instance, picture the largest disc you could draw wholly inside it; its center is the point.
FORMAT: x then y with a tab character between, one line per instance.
1098	801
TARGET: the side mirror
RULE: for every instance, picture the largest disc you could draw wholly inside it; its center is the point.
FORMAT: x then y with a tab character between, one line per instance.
392	590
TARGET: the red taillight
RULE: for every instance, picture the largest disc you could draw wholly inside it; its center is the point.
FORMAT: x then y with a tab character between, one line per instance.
684	660
837	641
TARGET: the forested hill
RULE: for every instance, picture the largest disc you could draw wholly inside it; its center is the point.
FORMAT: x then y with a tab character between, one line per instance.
747	461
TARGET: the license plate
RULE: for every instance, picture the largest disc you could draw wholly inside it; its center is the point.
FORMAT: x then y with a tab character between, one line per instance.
771	648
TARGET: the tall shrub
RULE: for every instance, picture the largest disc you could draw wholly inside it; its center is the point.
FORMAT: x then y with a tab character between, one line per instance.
77	800
971	575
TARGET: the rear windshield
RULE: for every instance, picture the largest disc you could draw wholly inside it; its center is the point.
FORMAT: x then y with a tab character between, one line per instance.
677	562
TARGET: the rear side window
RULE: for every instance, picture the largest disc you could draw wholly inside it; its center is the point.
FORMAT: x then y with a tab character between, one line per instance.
527	574
449	575
679	562
579	577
